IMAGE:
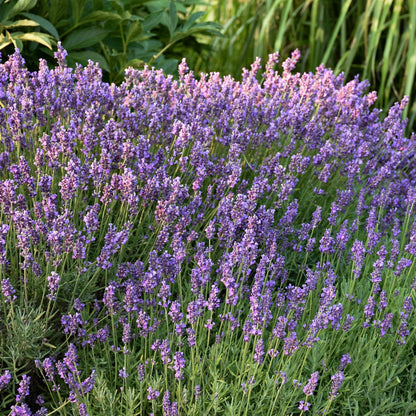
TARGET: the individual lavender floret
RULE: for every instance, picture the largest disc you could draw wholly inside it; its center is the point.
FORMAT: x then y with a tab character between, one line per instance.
153	394
304	406
78	305
345	360
8	291
123	373
337	380
312	383
5	379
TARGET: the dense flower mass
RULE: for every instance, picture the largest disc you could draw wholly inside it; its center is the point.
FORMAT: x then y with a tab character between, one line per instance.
181	235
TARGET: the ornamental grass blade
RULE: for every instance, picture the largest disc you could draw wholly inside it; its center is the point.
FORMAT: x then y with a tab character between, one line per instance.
335	32
284	25
410	69
390	49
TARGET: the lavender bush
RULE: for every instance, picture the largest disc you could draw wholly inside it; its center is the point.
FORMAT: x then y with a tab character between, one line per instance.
204	246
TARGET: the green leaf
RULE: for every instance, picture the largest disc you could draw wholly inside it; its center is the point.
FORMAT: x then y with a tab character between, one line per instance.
134	31
82	57
77	8
57	10
153	20
100	16
157	5
5	10
22	23
42	38
45	24
173	18
118	6
192	19
205	27
83	38
22	5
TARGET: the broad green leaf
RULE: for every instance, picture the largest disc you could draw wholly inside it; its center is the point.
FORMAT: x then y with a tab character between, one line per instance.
83	38
192	19
22	23
100	16
204	27
173	18
42	38
118	6
153	20
56	11
82	57
5	10
22	5
45	24
157	5
134	31
77	10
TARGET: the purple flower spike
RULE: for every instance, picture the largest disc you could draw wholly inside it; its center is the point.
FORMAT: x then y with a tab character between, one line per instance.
311	385
53	282
337	380
23	389
5	379
8	291
83	410
178	365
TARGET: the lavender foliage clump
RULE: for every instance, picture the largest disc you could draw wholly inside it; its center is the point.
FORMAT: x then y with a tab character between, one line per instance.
170	232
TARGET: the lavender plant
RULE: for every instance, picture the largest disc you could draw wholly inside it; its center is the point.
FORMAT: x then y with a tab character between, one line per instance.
204	246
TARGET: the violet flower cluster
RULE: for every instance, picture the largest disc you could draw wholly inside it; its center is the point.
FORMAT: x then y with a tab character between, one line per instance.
160	208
